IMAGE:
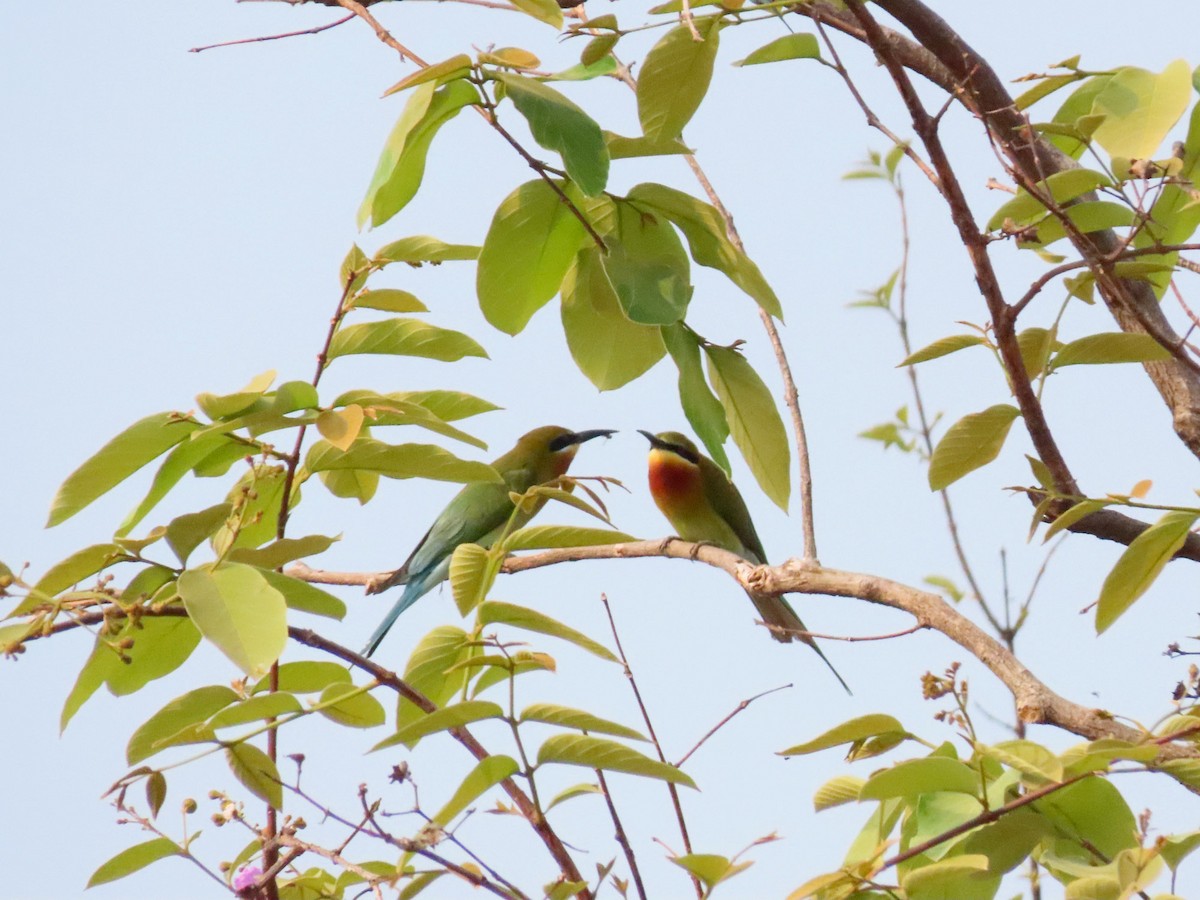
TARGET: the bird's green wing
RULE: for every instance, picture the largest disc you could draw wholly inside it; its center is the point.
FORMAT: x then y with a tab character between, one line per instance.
476	511
727	501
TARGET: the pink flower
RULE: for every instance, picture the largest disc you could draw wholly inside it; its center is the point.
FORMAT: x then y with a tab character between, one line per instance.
246	877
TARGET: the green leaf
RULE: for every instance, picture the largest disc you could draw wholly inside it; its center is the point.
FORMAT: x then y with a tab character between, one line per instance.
134	858
1110	347
404	337
402	163
422	248
565	716
609	756
283	551
1141	564
709	867
253	709
855	730
703	410
387	300
790	46
647	267
963	877
1025	209
837	791
1037	765
1036	345
495	612
547	11
137	445
921	776
1092	810
598	48
398	461
473	571
307	677
189	709
228	405
674	78
351	706
753	420
70	571
185	533
1140	108
1087	216
487	774
430	670
392	409
257	773
156	792
304	597
236	609
1080	510
545	537
708	240
256	501
559	125
621	147
189	456
569	793
609	349
529	246
444	719
943	347
1177	847
447	70
971	442
160	646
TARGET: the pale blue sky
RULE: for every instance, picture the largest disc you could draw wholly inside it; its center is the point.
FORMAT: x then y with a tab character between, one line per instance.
172	223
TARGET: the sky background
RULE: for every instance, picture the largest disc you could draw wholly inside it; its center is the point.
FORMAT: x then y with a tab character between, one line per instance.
172	223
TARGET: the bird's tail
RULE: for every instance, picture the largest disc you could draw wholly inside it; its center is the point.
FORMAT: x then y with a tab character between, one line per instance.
413	591
784	625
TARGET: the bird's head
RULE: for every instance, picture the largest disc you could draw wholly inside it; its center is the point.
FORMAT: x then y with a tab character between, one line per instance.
672	444
554	447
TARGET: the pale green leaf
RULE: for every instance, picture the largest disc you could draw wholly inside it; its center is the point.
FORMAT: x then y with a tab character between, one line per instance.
754	421
398	461
487	773
704	411
606	755
1140	108
565	716
444	719
351	706
971	442
943	347
422	248
185	533
1110	347
545	537
547	11
304	597
1141	564
674	78
264	706
790	46
837	791
306	677
257	773
137	445
921	776
236	609
194	707
647	267
495	612
387	300
439	73
134	858
530	244
621	147
431	670
404	337
710	868
857	729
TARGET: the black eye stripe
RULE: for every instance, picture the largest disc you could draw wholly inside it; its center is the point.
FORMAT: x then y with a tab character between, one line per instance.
562	442
679	450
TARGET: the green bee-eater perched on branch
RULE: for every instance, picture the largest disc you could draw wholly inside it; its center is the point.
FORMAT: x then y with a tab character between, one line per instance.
704	506
479	513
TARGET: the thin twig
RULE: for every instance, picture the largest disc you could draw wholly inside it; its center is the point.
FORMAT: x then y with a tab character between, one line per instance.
637	694
721	724
621	836
274	37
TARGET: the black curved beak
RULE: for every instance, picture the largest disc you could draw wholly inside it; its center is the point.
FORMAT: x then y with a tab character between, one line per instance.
580	437
654	441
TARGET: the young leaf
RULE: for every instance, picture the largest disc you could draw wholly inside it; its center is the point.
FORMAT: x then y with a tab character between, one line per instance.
855	730
472	573
156	792
543	537
236	608
117	460
431	670
703	410
404	337
387	300
675	77
753	420
487	773
971	442
256	772
264	706
647	267
559	125
132	859
710	868
838	791
609	349
708	240
1141	564
547	11
621	147
913	777
398	461
422	248
402	162
304	597
531	242
350	706
439	73
567	717
493	612
189	709
442	720
609	756
790	46
1025	209
1110	347
1141	107
942	347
